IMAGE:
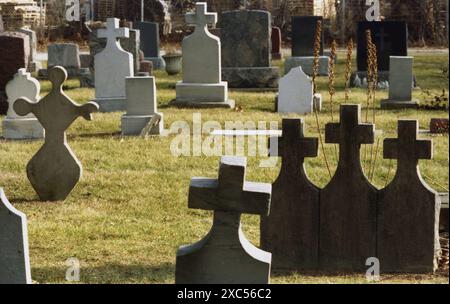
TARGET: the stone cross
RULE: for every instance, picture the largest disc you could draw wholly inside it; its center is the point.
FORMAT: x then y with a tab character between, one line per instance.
291	231
14	257
408	209
54	170
225	256
348	202
113	32
201	18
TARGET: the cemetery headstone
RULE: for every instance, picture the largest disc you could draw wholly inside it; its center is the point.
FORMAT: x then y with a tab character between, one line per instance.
112	66
202	84
33	65
15	54
304	30
291	231
14	126
132	44
296	94
401	83
2	26
348	214
390	38
14	256
439	125
246	49
66	55
150	43
408	233
141	106
225	256
54	170
276	43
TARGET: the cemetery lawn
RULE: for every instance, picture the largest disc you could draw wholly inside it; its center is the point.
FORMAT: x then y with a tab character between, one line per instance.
128	215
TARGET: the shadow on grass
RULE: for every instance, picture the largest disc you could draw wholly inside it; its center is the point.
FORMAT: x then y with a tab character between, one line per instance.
95	135
108	274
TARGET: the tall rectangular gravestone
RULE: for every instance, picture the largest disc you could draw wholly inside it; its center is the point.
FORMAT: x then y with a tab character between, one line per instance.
150	43
33	64
246	49
225	256
390	38
303	36
14	256
202	84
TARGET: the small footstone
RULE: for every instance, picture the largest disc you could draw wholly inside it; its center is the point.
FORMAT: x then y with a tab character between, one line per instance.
225	256
141	107
14	258
54	170
408	209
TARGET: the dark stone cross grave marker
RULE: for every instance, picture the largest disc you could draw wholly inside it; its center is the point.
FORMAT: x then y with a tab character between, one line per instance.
348	202
291	231
54	170
408	209
225	256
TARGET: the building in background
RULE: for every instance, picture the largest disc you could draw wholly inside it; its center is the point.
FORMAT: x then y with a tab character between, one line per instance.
20	13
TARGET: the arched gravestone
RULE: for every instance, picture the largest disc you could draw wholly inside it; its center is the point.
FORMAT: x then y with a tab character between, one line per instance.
14	126
408	209
348	202
112	66
54	170
291	231
225	256
14	257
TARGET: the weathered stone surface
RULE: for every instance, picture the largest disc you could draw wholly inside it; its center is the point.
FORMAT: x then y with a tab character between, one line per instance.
86	60
54	170
28	127
66	55
33	64
439	125
348	202
291	231
112	66
15	54
304	35
246	41
14	257
132	45
408	209
390	38
401	82
202	79
443	218
146	66
276	43
307	64
150	43
225	256
295	93
263	77
141	106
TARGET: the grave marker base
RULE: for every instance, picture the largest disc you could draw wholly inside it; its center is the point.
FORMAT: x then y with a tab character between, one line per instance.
259	77
388	104
202	95
158	62
25	129
133	125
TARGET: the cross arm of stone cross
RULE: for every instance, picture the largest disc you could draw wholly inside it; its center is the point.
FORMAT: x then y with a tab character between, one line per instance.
113	31
201	17
350	127
230	192
293	140
407	147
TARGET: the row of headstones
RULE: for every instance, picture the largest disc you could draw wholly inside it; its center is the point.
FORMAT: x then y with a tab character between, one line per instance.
302	227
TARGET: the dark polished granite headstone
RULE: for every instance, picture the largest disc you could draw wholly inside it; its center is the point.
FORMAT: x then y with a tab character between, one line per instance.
304	35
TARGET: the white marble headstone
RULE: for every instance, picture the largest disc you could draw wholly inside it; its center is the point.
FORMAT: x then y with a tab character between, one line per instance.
14	256
295	93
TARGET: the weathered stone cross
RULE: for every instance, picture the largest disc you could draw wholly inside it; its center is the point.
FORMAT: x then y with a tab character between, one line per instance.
350	133
113	32
201	18
407	148
54	170
225	255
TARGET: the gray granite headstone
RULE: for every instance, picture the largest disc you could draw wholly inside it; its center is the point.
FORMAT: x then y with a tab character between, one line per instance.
150	42
66	55
54	170
33	64
348	202
408	209
225	256
14	257
291	231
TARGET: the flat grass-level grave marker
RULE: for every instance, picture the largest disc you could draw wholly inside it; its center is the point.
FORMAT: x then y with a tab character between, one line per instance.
348	202
14	258
225	256
408	220
291	231
54	170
